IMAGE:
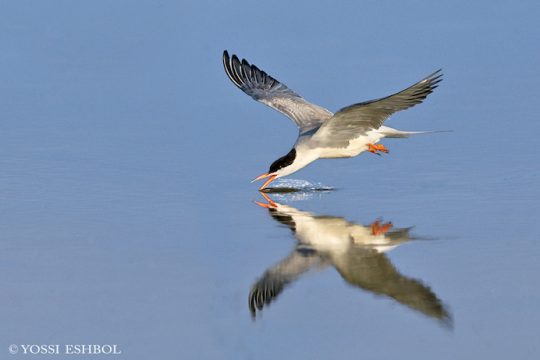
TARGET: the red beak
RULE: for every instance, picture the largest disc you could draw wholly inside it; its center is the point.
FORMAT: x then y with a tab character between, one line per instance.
271	177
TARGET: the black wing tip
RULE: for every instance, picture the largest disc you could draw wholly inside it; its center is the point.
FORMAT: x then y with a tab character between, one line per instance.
429	83
235	58
263	294
226	61
244	74
435	77
230	70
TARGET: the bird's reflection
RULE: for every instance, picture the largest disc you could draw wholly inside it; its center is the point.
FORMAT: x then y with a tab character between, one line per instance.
355	251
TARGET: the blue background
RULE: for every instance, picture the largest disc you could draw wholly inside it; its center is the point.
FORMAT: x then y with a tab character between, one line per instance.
126	212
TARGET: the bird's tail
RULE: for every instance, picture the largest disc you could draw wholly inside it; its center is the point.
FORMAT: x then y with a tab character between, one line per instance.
393	133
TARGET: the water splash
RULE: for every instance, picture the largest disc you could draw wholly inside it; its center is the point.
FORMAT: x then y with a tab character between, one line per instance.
296	190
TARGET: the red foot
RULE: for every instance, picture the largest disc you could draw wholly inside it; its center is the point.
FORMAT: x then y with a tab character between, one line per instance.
375	148
271	204
380	229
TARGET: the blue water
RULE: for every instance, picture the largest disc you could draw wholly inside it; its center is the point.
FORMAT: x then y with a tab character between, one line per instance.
128	217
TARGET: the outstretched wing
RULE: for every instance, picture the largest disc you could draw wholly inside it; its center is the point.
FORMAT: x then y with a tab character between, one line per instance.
356	120
276	278
372	271
267	90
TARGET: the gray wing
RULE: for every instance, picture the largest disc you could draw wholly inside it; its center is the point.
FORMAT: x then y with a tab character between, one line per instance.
276	278
356	120
267	90
372	271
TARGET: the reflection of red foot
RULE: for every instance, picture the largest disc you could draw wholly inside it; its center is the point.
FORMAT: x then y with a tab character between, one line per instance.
375	148
380	229
271	204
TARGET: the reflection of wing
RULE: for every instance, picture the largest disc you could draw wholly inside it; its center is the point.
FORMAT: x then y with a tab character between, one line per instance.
270	285
372	271
357	253
267	90
356	120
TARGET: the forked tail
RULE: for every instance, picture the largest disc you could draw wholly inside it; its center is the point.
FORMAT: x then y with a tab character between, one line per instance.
393	133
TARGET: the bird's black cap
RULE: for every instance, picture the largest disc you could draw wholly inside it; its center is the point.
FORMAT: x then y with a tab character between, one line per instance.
283	161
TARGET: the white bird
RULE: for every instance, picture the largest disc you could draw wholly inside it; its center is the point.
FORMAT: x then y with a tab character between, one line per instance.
322	134
357	252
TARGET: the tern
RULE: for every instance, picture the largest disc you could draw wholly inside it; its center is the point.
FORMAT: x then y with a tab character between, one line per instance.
356	251
322	134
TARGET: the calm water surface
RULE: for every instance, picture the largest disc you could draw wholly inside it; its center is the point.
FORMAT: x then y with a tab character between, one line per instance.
127	216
